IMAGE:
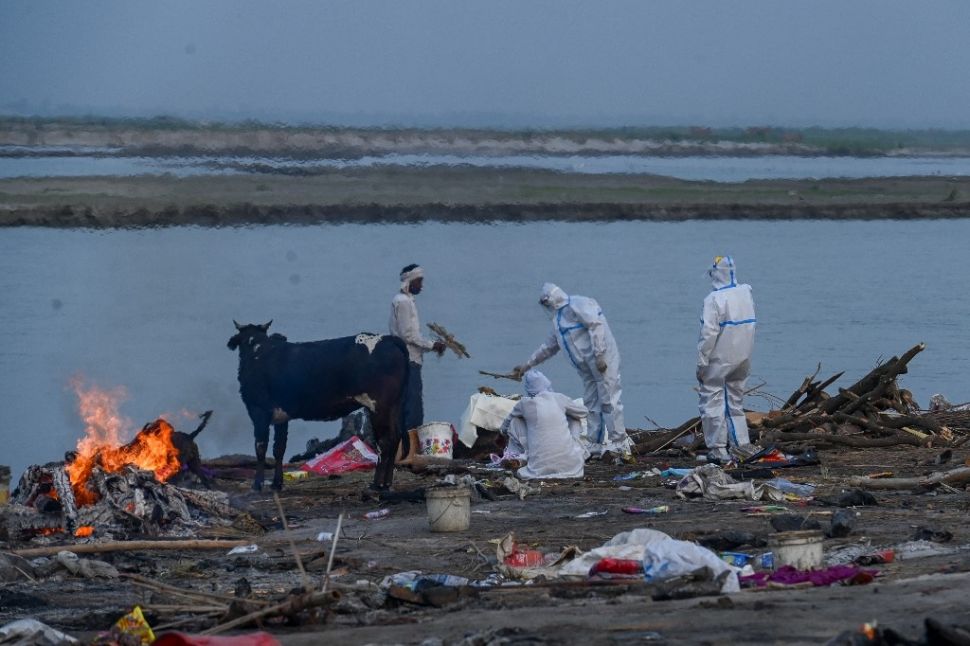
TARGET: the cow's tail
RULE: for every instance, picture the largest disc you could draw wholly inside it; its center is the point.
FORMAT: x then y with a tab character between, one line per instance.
205	420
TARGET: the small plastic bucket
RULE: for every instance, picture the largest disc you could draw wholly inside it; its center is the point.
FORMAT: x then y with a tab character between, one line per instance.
801	549
449	508
435	439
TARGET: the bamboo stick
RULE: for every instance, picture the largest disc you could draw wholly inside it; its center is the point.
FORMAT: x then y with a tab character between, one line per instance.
130	546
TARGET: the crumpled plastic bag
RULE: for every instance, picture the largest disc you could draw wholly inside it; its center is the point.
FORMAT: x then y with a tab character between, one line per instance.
88	568
663	557
33	632
522	489
712	483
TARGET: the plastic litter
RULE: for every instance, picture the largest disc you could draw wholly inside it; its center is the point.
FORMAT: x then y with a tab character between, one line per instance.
244	549
353	454
876	558
377	515
617	567
525	558
675	473
31	631
652	511
787	486
325	537
592	514
132	628
662	556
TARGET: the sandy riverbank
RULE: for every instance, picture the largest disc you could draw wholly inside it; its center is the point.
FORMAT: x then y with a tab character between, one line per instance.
462	195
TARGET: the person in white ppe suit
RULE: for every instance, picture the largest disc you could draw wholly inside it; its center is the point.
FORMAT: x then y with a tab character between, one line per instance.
580	330
404	324
545	428
724	360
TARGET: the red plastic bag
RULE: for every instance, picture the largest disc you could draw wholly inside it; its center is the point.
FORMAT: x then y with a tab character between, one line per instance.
350	455
182	639
612	566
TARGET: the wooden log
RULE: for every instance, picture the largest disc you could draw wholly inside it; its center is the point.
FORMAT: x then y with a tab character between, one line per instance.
919	421
957	476
130	546
658	441
839	440
806	385
292	606
816	391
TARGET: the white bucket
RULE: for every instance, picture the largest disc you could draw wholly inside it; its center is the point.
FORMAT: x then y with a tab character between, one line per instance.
435	439
449	508
802	549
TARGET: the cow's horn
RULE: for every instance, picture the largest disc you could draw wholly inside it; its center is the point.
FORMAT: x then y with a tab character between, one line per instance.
238	327
266	325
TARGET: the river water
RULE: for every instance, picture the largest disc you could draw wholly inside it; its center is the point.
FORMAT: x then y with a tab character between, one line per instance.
151	310
702	168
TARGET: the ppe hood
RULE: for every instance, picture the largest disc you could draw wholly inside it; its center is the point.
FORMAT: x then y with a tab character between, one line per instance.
552	297
723	273
536	382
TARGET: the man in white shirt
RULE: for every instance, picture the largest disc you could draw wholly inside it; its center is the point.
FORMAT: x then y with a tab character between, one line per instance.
405	324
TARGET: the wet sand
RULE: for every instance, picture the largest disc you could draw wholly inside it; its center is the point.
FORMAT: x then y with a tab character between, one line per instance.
461	195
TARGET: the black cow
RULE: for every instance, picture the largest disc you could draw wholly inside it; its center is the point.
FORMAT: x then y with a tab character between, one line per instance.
320	380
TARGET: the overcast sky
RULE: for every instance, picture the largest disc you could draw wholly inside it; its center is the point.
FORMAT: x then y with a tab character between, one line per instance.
883	63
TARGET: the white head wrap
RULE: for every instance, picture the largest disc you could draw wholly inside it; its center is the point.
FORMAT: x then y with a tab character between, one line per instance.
535	382
407	277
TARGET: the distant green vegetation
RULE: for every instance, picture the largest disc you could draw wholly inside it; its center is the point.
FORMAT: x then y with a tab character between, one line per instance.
835	141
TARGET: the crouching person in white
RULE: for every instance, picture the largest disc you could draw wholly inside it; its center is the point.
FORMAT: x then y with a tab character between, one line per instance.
546	429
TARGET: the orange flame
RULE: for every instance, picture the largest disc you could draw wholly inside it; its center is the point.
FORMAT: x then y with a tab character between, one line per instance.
83	531
102	444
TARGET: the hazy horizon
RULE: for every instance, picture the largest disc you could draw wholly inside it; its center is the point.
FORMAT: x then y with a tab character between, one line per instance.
879	64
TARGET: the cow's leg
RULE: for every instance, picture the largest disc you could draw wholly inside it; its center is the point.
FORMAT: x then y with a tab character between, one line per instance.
280	431
387	450
398	434
261	433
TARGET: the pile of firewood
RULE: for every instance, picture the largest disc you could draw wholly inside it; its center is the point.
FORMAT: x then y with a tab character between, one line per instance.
873	412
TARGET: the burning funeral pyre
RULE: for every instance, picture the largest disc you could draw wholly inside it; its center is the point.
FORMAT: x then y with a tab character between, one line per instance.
113	488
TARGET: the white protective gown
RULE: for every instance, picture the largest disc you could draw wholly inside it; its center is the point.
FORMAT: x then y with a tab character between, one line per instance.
580	330
724	357
545	429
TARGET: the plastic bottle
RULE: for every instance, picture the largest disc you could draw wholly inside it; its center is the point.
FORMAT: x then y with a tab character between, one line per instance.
380	513
627	567
442	579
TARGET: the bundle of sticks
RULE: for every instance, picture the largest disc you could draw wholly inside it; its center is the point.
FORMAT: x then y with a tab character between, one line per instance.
449	340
